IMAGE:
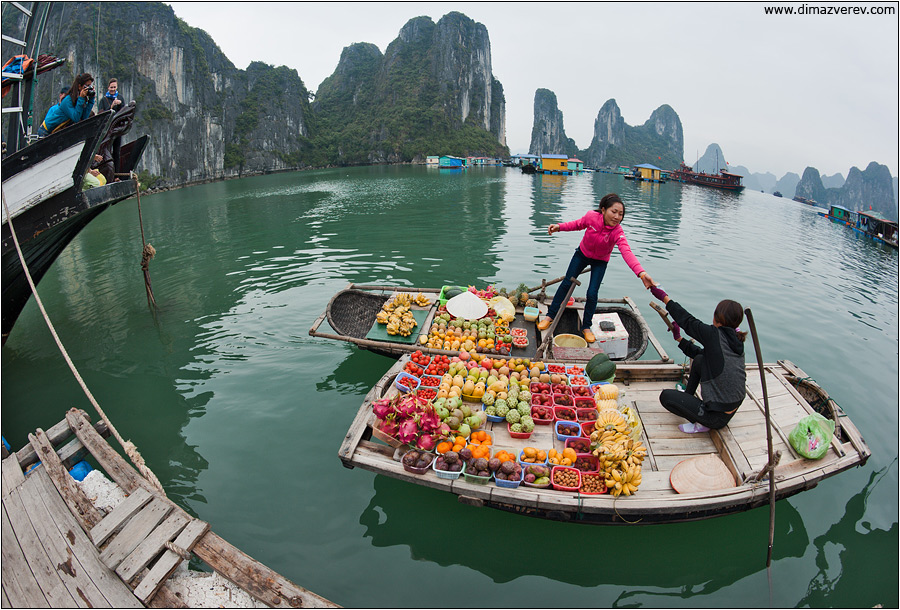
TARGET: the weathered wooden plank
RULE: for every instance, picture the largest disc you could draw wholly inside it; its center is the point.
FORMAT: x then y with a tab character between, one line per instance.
114	590
68	565
12	475
253	577
163	568
56	435
111	462
684	447
41	567
147	550
731	453
120	515
18	582
4	598
138	528
78	503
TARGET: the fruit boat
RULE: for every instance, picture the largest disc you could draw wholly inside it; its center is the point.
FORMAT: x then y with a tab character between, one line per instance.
741	447
352	312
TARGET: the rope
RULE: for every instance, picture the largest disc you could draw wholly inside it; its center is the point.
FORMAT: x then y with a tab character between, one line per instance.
177	550
148	252
128	446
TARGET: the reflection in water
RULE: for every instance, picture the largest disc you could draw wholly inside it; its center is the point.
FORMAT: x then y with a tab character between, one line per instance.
587	555
843	554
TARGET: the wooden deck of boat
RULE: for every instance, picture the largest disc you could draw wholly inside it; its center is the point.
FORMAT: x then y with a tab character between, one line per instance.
741	445
59	551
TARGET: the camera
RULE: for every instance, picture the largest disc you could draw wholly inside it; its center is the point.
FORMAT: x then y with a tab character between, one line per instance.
90	89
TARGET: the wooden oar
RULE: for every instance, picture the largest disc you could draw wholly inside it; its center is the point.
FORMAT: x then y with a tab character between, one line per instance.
539	354
663	314
771	465
545	283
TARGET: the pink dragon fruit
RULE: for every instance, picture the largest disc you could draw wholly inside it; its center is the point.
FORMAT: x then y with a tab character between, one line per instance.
426	442
409	429
382	408
389	427
429	421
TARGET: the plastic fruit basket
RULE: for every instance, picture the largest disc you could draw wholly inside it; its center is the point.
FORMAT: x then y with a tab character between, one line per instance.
524	464
586	476
556	486
518	332
579	443
561	436
510	484
586	414
495	418
406	382
477	480
587	428
540	421
446	474
531	314
564	413
587	461
416	470
516	434
583	402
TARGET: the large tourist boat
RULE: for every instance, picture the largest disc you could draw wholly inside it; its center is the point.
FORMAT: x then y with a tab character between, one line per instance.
722	180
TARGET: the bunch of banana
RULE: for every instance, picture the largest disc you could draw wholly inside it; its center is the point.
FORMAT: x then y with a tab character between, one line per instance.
611	419
623	481
620	459
421	300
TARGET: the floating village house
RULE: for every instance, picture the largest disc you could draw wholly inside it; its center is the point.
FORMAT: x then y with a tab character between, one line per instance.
575	165
879	227
449	162
432	160
842	214
523	160
555	164
648	172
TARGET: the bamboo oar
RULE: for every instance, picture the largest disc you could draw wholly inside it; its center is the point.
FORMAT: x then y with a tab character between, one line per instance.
771	465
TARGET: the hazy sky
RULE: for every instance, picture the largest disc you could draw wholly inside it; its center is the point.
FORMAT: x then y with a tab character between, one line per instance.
776	92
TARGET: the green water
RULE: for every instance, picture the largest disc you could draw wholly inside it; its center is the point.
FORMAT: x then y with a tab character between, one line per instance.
240	412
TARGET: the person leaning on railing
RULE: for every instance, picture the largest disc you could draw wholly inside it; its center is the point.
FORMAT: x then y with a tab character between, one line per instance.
75	106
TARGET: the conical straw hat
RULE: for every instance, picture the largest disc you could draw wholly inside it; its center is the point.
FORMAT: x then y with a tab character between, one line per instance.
702	473
467	306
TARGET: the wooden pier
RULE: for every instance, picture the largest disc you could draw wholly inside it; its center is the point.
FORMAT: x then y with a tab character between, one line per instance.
59	551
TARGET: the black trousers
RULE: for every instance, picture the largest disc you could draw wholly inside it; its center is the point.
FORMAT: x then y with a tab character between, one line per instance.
687	405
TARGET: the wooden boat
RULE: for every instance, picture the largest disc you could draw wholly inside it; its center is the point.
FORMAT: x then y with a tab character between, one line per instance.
42	181
351	315
722	180
741	445
59	550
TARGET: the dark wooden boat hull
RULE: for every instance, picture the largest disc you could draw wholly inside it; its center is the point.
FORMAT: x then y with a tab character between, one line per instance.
47	218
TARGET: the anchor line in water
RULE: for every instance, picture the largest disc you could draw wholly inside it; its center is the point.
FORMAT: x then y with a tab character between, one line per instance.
129	447
148	251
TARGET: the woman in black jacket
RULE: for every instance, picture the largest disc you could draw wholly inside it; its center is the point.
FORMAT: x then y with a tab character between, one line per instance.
717	367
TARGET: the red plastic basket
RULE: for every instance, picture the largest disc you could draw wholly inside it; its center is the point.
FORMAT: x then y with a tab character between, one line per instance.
558	487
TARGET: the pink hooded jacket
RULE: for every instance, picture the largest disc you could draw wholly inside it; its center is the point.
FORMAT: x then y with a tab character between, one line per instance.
599	239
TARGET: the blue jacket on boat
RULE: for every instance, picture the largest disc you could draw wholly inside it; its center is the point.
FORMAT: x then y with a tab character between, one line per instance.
67	111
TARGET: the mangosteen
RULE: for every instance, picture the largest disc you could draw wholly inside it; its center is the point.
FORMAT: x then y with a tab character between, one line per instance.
451	457
410	458
484	473
481	464
455	467
465	454
508	467
494	464
500	476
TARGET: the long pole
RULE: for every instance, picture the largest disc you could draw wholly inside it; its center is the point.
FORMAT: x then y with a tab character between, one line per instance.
771	464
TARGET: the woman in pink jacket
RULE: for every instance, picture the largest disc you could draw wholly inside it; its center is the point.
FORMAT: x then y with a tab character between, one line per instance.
602	230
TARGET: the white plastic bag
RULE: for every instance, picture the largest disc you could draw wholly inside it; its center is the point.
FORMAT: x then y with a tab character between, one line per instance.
504	308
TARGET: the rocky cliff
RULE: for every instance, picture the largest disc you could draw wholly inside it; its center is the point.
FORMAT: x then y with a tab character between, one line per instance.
869	189
712	161
206	119
660	140
432	92
548	135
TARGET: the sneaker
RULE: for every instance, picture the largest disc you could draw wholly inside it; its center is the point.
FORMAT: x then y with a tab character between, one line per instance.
545	323
588	335
692	428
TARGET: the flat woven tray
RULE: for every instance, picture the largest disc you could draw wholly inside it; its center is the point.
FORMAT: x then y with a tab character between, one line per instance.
574	353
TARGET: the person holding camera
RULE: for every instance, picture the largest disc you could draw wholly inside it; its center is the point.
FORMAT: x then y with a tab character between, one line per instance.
75	106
